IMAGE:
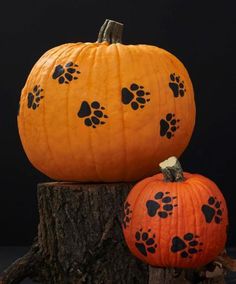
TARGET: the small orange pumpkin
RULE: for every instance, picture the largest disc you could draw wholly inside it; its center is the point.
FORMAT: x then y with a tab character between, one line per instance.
105	111
175	219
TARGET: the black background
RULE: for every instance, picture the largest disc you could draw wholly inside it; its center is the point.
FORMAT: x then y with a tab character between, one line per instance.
200	33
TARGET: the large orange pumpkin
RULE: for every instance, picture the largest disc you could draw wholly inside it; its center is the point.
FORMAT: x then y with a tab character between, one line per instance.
105	111
177	222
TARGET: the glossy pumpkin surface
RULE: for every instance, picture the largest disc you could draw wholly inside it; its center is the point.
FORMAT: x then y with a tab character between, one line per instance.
105	112
175	224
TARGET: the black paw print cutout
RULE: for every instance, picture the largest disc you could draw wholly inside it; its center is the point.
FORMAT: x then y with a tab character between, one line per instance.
145	242
136	96
35	97
66	74
169	125
93	113
162	206
127	214
177	86
212	211
187	246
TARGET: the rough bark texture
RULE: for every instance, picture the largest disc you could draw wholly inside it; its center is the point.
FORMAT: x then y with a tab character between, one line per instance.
80	240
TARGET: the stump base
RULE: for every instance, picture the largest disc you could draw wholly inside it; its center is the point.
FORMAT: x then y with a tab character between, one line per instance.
80	240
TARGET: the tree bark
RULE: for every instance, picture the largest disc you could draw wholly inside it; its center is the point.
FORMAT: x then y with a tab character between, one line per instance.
80	240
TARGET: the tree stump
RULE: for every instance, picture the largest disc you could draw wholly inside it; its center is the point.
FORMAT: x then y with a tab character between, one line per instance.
80	240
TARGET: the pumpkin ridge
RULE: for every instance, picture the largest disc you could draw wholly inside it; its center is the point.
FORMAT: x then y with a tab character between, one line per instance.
67	93
189	89
91	134
132	230
209	191
195	213
117	46
43	112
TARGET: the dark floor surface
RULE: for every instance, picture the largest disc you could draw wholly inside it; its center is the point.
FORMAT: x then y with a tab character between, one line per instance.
9	254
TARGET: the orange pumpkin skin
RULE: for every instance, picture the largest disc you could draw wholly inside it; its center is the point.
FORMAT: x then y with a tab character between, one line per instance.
189	232
144	104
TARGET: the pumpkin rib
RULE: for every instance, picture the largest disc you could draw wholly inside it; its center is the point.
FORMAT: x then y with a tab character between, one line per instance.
44	116
29	82
224	205
180	66
206	231
74	119
149	57
102	61
159	98
68	129
108	49
132	230
200	202
66	93
174	221
195	213
165	99
162	97
152	192
174	62
129	52
118	46
201	183
91	134
172	224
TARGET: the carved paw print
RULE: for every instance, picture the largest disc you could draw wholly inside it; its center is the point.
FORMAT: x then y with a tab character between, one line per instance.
35	97
93	113
135	96
212	210
162	206
127	214
66	74
177	86
187	245
145	242
169	125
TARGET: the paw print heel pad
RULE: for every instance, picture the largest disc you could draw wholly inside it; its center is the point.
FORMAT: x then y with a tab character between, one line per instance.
212	210
135	95
64	74
187	246
177	86
145	242
92	113
162	206
169	125
34	97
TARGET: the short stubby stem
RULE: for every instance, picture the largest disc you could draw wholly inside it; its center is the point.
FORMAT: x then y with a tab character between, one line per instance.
172	170
111	32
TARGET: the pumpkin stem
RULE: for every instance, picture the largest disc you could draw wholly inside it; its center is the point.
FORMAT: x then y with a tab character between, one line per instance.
172	170
111	32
